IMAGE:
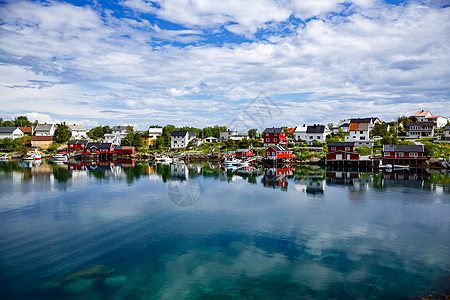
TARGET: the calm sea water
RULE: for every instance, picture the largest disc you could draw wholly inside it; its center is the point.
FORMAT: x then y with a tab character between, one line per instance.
127	230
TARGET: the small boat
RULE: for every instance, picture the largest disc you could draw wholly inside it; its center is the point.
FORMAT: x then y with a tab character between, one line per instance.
397	167
60	158
163	159
5	157
33	156
231	162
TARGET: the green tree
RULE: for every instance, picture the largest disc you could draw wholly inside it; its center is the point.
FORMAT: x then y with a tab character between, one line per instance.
22	121
252	133
137	140
243	144
62	134
380	129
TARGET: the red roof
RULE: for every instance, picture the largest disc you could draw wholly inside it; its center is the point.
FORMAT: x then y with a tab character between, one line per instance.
291	130
42	138
422	113
26	129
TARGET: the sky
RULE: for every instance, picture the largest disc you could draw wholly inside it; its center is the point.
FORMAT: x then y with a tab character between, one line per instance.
242	64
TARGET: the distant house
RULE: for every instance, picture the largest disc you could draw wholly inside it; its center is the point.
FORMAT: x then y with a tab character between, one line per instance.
446	135
404	154
225	135
149	138
342	151
439	121
43	142
422	115
195	141
343	125
242	153
120	150
359	134
372	121
118	133
76	145
179	139
300	133
274	136
278	152
27	130
45	129
10	132
317	133
78	132
97	148
419	129
211	139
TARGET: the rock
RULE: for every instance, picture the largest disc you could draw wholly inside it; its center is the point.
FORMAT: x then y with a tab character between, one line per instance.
115	281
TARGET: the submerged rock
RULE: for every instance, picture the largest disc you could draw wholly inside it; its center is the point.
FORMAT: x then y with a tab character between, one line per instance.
115	281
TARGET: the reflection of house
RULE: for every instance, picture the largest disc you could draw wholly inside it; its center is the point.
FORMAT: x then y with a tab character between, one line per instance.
43	142
45	129
242	153
420	129
180	172
404	154
78	132
341	151
342	177
312	184
277	177
274	136
359	134
10	132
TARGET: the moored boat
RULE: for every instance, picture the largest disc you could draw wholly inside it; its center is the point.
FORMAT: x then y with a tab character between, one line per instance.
60	157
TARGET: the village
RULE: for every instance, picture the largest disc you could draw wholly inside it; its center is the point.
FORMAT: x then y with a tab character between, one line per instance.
416	141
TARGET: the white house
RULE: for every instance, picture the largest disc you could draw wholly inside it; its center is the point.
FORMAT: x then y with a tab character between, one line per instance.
10	132
419	129
225	135
447	132
179	139
78	132
316	133
300	133
343	124
118	133
211	139
45	129
359	134
422	115
439	121
154	133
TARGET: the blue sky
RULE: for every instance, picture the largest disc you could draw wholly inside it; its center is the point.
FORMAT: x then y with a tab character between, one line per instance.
201	63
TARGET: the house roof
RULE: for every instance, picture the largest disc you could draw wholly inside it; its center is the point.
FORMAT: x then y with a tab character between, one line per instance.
211	137
179	133
278	148
364	120
76	128
447	127
26	129
315	129
44	127
433	117
422	113
341	144
301	128
7	129
42	138
291	130
155	130
193	133
119	128
76	142
359	126
243	150
273	130
403	148
98	145
424	123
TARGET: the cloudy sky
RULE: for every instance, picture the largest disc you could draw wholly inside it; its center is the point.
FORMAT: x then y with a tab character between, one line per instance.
250	63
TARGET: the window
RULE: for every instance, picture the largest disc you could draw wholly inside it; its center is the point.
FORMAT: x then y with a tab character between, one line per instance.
413	154
267	134
401	154
387	154
347	148
361	132
267	140
275	140
311	137
318	137
273	153
362	137
333	148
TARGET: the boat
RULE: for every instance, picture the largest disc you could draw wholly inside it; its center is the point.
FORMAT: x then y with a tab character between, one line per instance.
397	167
60	158
231	161
5	157
163	159
32	156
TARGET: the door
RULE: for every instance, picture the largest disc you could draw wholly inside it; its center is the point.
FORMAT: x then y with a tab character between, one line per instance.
338	156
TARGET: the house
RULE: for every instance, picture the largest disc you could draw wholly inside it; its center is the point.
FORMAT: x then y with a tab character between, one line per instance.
359	134
195	141
439	121
78	132
316	133
372	121
404	154
118	133
10	132
300	133
179	139
419	129
343	125
242	153
225	135
446	135
211	139
342	151
238	137
149	138
45	129
98	148
422	115
124	150
278	152
27	130
274	136
76	145
43	142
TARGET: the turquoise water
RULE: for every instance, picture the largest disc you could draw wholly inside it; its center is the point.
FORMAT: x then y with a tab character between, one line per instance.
137	231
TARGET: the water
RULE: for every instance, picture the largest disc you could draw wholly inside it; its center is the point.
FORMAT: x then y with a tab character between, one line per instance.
130	230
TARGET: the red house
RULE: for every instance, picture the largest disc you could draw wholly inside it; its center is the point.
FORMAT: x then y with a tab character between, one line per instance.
76	145
274	136
124	150
242	153
404	154
98	148
342	151
277	177
278	152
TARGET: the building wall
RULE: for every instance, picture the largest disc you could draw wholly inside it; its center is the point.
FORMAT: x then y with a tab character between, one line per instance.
178	141
41	144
